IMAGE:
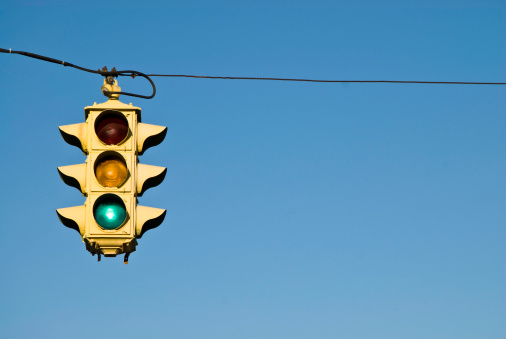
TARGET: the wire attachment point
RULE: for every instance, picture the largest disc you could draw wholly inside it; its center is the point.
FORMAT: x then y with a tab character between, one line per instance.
110	88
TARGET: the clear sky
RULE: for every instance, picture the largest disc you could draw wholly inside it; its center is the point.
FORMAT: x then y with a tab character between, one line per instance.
294	210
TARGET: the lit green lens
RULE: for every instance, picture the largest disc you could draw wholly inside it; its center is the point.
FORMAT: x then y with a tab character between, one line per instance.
109	211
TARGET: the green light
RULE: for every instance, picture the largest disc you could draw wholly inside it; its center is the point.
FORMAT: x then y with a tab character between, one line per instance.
109	211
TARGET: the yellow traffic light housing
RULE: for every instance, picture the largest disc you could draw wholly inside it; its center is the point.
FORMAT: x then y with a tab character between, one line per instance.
112	137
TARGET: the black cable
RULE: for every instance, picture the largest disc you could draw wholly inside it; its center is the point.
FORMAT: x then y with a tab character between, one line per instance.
341	81
133	74
113	73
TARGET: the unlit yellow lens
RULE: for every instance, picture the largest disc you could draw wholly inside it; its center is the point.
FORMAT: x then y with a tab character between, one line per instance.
111	172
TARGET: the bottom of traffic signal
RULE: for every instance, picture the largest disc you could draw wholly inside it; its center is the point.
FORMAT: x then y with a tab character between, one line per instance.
113	235
110	247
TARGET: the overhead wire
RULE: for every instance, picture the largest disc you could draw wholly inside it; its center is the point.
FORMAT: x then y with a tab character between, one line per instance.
105	73
133	74
335	81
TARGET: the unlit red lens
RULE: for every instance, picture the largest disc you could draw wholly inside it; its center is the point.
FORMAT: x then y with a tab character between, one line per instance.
111	171
111	128
109	211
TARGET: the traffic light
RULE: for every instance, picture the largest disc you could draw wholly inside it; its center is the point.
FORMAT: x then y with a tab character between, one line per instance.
112	178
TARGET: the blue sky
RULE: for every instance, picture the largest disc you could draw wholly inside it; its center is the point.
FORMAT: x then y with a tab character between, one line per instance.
294	210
